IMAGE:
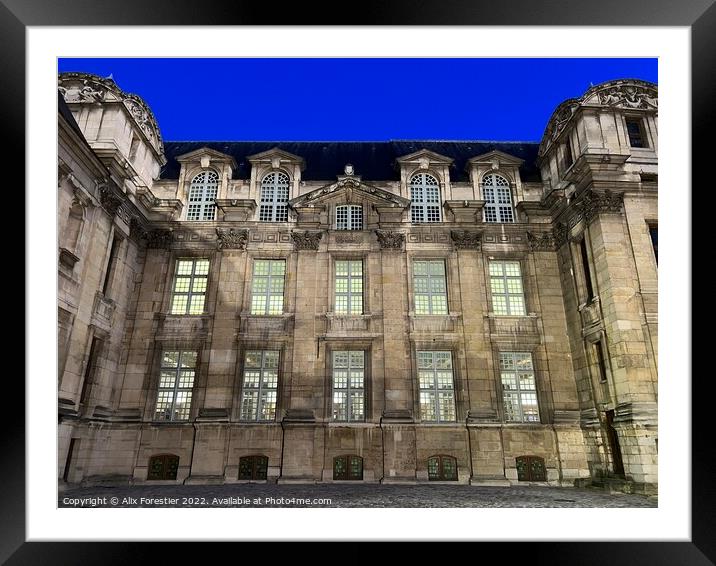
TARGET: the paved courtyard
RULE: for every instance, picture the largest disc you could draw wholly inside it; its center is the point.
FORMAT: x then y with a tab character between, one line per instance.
272	495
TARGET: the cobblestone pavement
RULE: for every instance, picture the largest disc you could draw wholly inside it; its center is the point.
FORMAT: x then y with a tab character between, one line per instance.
376	495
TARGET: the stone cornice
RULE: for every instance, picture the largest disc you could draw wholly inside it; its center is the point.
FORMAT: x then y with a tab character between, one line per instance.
158	239
351	187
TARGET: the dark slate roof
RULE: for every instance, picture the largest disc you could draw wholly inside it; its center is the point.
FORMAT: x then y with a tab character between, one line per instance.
373	161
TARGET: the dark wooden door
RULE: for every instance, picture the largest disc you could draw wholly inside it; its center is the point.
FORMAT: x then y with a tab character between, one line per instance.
613	437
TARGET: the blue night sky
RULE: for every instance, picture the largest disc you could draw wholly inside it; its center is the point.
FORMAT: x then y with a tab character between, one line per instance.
357	99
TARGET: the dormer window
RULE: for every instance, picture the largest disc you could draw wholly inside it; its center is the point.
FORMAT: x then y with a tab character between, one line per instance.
498	199
274	197
349	217
425	197
202	196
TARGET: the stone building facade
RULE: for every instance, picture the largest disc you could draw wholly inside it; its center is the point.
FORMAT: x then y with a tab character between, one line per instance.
469	312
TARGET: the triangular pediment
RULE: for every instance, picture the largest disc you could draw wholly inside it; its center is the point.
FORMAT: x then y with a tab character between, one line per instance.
425	154
212	154
351	190
276	154
495	155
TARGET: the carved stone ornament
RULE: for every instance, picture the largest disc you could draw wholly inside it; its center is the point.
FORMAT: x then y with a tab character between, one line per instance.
390	240
110	199
629	96
158	239
136	230
232	239
541	242
86	88
560	233
593	204
348	237
306	240
465	239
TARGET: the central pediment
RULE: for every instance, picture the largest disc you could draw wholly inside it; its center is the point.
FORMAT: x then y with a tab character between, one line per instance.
351	189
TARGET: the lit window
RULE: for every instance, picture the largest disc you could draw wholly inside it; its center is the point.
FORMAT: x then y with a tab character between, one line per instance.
349	217
348	386
635	131
190	286
176	381
508	298
274	197
253	467
202	196
163	467
429	287
498	199
258	395
442	468
437	396
425	197
519	392
348	467
267	287
349	287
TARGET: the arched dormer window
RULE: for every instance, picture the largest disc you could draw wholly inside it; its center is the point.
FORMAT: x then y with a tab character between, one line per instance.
349	217
202	196
274	197
498	199
425	197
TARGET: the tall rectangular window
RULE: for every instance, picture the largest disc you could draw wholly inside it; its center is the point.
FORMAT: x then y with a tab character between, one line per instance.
260	385
635	131
190	286
429	287
599	357
90	369
508	297
589	287
519	392
568	159
349	287
113	250
267	287
176	382
349	217
437	393
654	234
349	386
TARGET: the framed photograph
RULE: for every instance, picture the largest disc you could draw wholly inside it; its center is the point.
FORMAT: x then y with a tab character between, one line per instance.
244	283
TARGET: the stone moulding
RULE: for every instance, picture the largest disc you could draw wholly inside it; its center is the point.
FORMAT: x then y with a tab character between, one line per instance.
306	240
231	239
390	240
466	240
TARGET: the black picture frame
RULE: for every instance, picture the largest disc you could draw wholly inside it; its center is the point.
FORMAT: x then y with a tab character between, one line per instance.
699	15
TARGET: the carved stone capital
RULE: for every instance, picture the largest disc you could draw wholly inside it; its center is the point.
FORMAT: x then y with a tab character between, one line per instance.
593	203
231	239
390	240
541	242
306	240
560	233
466	239
111	199
158	239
